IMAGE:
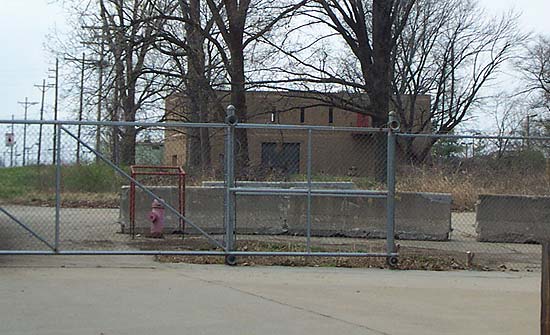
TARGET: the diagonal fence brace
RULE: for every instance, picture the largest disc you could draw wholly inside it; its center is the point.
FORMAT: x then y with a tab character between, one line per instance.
27	228
145	189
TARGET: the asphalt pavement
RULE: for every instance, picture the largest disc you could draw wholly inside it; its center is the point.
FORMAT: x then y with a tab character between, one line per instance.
135	295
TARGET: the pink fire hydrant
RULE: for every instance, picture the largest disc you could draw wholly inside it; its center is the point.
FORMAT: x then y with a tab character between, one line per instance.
157	219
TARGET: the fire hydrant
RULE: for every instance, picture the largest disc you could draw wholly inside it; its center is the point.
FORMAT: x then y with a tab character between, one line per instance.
157	219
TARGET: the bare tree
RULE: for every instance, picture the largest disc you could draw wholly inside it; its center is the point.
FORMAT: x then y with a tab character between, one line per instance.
449	50
183	38
129	44
507	112
369	30
401	52
240	25
232	28
113	32
535	65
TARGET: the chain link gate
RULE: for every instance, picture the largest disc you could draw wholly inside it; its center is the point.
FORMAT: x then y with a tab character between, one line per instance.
234	189
302	190
62	225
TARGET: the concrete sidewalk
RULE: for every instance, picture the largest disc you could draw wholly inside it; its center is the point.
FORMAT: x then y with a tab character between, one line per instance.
134	295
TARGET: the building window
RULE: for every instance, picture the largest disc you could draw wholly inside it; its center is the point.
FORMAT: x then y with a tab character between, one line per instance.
331	115
281	157
302	115
174	160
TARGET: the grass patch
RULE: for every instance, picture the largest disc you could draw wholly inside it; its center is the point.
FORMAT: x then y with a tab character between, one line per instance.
22	181
523	174
95	178
91	184
466	183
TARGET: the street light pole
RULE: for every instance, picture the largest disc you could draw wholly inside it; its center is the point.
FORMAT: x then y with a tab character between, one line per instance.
528	129
11	147
80	110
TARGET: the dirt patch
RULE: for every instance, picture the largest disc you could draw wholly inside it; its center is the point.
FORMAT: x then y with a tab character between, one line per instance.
409	261
405	262
68	200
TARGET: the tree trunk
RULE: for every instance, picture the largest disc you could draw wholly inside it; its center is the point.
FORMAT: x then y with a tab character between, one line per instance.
128	145
238	99
378	83
197	92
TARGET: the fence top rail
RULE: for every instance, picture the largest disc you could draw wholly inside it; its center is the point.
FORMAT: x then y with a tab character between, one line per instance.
195	125
117	123
481	137
160	169
266	126
309	127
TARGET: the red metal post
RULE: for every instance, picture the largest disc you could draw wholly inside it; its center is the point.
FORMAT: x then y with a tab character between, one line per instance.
183	204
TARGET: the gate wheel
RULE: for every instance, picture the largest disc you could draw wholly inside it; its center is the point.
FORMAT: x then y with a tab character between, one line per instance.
230	260
392	261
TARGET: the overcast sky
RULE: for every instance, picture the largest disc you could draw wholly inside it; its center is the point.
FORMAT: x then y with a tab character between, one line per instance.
25	23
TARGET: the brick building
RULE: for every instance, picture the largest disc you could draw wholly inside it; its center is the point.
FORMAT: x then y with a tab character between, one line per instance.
335	153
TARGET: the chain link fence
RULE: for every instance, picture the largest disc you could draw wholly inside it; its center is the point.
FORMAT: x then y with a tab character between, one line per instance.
480	201
498	189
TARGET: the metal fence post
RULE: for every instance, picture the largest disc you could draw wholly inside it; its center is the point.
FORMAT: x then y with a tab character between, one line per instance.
393	127
57	187
308	214
229	210
545	289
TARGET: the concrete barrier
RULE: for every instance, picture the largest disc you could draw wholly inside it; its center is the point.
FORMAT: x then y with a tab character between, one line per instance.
418	216
423	216
512	218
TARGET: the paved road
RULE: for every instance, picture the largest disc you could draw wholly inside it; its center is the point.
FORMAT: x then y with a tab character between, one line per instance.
133	295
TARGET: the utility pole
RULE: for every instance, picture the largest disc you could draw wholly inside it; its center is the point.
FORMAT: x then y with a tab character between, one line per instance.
99	97
26	103
101	66
56	85
81	105
43	88
83	62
